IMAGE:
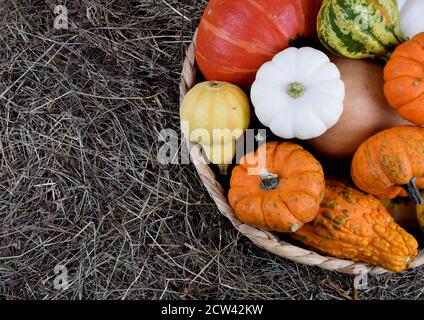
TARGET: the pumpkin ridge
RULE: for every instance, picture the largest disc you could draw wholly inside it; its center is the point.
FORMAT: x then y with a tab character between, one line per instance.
376	162
260	8
287	157
271	156
414	39
402	63
297	221
304	172
405	77
228	106
303	13
404	165
358	178
192	115
239	105
403	47
288	208
287	203
226	69
399	108
244	45
264	220
210	116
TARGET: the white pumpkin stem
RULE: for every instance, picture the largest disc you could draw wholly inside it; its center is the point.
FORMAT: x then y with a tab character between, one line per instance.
296	89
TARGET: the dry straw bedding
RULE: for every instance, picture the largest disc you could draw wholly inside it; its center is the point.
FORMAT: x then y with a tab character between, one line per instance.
80	184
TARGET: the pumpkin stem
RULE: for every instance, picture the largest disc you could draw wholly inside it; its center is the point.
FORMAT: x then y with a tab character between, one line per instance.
413	192
296	90
415	195
223	169
214	84
269	181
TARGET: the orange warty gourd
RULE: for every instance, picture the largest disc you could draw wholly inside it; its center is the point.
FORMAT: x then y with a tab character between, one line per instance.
404	79
356	226
277	188
391	164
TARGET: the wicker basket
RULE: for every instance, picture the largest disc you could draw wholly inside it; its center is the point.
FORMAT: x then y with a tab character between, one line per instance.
261	238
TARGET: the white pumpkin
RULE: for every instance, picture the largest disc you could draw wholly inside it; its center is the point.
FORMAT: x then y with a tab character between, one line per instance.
411	17
299	94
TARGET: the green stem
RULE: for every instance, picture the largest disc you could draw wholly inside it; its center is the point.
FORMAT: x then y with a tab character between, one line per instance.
296	90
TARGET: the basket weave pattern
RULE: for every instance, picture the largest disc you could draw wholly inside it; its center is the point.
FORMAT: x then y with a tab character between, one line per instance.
261	238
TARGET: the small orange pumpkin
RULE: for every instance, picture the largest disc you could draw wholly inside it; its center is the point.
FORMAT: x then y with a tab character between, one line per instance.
404	79
391	164
277	188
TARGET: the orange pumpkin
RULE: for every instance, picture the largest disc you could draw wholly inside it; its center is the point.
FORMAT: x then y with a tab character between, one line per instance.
277	188
356	226
391	164
404	79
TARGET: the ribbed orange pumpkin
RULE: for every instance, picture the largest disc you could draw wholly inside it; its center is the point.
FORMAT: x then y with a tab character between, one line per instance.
404	79
391	164
356	226
278	188
235	37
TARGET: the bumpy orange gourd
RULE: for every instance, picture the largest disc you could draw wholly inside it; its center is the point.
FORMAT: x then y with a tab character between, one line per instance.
391	164
404	79
356	226
277	188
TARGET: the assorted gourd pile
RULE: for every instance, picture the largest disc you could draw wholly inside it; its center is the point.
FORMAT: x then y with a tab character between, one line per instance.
357	94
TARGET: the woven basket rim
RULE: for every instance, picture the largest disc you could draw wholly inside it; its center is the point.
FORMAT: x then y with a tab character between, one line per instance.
261	238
